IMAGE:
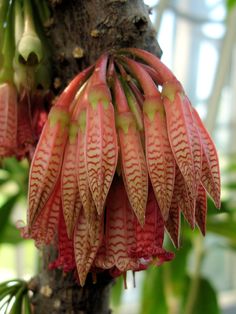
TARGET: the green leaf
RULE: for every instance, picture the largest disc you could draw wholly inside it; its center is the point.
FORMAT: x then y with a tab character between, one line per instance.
153	298
18	304
9	287
13	288
206	298
7	293
4	305
26	304
11	282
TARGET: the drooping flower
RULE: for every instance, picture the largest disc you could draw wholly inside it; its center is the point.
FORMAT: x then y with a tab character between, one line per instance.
24	53
121	155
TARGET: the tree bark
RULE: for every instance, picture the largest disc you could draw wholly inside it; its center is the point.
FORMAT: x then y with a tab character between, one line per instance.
81	30
94	26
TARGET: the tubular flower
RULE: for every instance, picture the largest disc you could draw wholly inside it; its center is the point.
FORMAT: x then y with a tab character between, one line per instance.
21	120
117	162
24	76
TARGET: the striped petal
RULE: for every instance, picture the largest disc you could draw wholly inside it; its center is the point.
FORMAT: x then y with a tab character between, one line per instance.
65	259
179	135
71	202
8	119
159	156
173	223
194	139
47	161
25	133
83	184
153	232
46	223
101	149
210	163
87	240
201	209
160	160
117	234
149	238
133	164
185	200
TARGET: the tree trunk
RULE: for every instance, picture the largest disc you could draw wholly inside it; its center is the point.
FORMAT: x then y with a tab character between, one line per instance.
81	30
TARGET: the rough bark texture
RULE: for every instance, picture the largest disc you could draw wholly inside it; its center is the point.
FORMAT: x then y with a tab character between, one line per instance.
95	26
56	292
81	31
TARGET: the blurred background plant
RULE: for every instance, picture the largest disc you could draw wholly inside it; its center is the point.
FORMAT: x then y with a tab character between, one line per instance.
198	39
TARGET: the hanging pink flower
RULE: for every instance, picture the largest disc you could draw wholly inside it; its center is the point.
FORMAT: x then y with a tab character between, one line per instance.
22	117
121	155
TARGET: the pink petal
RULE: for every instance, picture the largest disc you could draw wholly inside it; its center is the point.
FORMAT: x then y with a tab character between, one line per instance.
201	209
68	95
163	72
159	156
8	119
160	160
83	184
149	238
44	227
152	72
117	234
194	139
145	80
25	132
179	134
71	202
65	259
185	200
101	151
40	101
47	161
87	240
134	167
210	163
173	223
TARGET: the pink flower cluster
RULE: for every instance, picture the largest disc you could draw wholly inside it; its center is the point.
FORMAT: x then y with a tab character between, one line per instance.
121	155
